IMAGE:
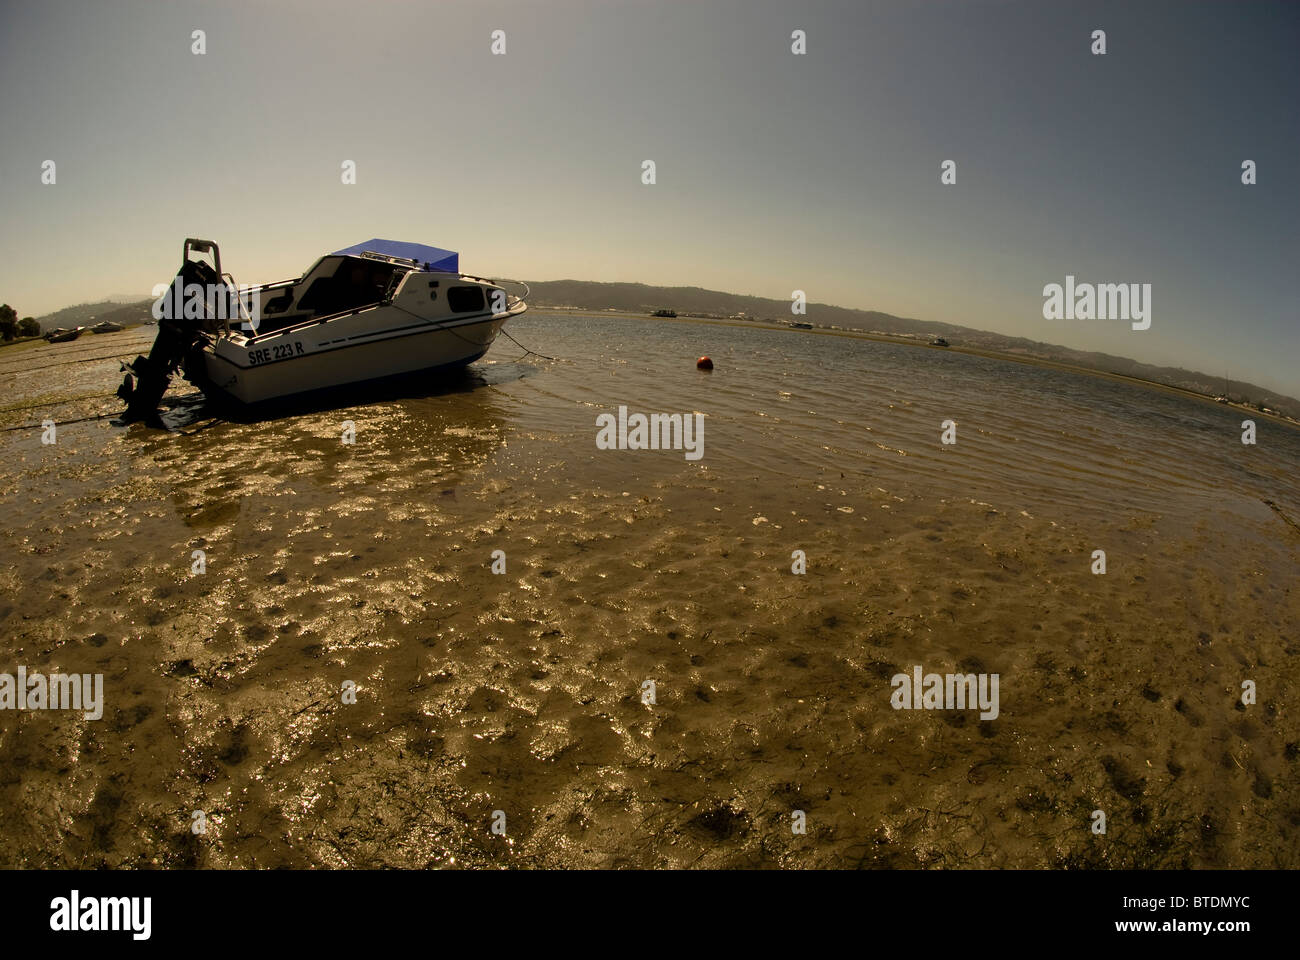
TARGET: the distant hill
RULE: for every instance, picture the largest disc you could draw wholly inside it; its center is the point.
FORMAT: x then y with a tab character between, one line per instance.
86	314
696	301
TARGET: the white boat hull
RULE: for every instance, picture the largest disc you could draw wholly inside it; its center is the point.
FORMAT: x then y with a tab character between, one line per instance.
375	343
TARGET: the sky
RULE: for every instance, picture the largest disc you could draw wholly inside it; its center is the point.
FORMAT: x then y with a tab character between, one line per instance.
774	171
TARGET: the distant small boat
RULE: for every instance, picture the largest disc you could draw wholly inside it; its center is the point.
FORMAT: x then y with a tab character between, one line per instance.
665	313
107	326
62	335
800	325
938	342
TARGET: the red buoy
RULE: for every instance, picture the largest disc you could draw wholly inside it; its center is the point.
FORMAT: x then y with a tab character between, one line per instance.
704	363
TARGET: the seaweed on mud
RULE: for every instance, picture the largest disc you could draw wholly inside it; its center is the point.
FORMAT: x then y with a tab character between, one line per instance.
925	841
1161	844
880	852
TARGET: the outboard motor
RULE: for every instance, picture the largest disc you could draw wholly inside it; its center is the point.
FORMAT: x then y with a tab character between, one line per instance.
187	316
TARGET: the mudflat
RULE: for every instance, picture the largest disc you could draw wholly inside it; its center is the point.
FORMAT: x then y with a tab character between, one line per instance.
329	566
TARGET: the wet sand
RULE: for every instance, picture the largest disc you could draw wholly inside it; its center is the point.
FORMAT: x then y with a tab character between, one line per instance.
521	692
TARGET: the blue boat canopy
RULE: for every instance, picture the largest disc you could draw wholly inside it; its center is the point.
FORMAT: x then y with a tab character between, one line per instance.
433	258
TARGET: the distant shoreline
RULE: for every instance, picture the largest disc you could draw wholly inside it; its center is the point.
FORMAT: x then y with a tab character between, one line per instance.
912	342
17	340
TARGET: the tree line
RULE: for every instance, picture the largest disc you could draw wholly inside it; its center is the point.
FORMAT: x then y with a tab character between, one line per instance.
11	326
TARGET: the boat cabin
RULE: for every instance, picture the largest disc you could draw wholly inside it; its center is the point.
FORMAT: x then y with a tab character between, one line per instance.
336	284
356	278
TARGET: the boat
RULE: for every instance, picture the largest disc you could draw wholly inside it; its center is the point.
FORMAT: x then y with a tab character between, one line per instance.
665	313
800	325
107	326
373	311
938	342
63	334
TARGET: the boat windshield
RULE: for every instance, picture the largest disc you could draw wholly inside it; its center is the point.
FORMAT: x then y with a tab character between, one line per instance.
338	284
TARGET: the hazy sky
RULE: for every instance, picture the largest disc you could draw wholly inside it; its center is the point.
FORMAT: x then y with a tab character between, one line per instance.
775	172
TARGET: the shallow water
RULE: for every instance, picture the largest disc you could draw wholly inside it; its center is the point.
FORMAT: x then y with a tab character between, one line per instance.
522	692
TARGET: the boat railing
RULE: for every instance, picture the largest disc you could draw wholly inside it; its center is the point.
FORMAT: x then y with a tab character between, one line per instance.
241	308
386	258
496	283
